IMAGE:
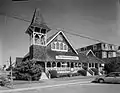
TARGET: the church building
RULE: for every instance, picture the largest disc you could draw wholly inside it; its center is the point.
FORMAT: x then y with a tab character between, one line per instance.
52	49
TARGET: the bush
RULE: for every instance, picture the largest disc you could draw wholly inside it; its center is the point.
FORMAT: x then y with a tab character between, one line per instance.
82	72
65	74
95	70
28	70
53	73
75	74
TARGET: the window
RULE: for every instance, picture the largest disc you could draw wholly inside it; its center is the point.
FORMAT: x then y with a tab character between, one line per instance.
65	47
79	64
59	46
76	65
111	47
53	45
114	54
68	64
103	46
37	29
37	39
111	75
110	54
43	31
104	54
94	47
97	54
90	65
58	64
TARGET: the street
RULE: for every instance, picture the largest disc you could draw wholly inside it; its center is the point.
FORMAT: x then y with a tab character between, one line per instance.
67	86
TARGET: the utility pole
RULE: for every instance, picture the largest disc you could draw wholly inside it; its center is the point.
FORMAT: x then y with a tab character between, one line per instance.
11	77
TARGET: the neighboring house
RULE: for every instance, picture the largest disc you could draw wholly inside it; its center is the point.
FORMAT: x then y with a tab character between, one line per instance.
89	60
52	49
102	50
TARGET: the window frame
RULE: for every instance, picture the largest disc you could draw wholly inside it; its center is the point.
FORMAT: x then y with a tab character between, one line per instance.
59	47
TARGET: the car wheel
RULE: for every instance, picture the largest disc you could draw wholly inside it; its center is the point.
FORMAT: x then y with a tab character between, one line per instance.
100	80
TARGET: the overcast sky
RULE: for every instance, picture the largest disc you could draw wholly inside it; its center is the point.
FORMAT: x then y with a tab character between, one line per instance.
96	18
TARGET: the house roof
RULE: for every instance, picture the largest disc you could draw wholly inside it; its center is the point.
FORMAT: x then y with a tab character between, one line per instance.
42	55
84	57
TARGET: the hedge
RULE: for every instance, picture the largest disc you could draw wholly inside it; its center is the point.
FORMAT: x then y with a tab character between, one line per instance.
53	73
82	72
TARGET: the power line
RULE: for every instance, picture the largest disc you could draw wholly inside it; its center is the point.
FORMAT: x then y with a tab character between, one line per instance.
15	17
69	32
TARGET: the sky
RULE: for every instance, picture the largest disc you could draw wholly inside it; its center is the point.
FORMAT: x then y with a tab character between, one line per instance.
95	18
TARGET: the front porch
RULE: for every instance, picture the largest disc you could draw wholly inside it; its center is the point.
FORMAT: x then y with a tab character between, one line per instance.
67	67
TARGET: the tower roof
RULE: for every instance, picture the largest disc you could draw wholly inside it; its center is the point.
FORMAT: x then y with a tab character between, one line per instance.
37	21
37	18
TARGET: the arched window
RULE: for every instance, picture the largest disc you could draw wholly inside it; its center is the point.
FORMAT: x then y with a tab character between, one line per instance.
76	65
79	64
68	64
58	64
53	64
48	64
37	39
37	29
72	65
61	46
53	45
57	45
65	47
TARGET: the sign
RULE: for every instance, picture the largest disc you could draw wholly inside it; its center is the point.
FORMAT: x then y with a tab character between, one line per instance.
67	57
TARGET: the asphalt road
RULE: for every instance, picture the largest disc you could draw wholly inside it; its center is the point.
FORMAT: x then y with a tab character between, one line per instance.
69	86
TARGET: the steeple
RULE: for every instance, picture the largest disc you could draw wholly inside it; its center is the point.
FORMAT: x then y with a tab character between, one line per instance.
37	18
38	29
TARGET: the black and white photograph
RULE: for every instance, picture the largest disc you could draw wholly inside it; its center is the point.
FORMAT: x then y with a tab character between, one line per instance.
59	46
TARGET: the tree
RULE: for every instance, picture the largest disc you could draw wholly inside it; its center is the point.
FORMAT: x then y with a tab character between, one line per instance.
28	70
112	67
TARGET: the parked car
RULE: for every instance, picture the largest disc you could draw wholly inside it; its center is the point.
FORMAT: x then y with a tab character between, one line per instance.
113	77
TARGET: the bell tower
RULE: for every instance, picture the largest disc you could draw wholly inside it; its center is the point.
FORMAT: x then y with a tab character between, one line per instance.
38	29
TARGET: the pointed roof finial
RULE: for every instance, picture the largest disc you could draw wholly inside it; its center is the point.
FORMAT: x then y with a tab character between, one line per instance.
37	18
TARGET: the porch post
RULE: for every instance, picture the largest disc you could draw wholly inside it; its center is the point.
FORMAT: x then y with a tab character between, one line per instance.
81	65
56	65
88	65
45	67
51	66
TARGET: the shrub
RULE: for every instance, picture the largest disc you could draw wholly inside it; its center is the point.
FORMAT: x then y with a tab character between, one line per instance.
64	74
28	70
75	74
82	72
53	73
95	70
